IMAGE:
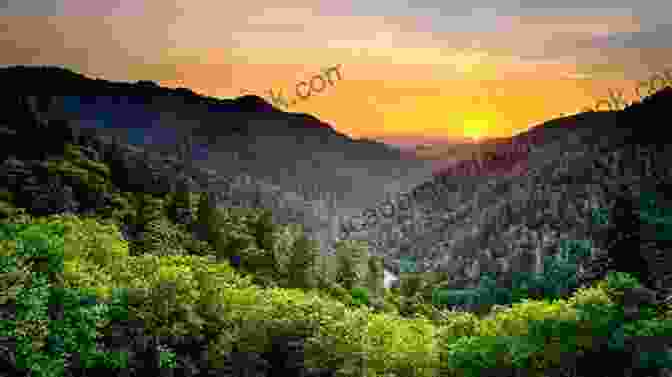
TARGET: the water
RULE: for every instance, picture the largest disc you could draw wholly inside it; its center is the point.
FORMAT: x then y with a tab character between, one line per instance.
389	278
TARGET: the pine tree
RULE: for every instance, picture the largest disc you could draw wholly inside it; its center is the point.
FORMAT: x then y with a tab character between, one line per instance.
264	228
208	221
302	273
180	210
624	237
148	211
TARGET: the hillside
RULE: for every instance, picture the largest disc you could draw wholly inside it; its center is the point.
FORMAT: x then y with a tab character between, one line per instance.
508	210
230	293
435	222
293	163
246	134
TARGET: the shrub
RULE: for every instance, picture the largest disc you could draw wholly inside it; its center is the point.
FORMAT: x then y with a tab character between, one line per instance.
41	341
360	296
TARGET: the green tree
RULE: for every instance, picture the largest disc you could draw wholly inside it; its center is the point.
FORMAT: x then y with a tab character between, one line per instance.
360	296
302	265
350	255
180	208
412	284
161	237
148	208
323	276
208	223
376	275
264	228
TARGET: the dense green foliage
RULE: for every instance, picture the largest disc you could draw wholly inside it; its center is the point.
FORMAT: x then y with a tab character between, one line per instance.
36	289
265	280
360	296
165	303
350	255
241	280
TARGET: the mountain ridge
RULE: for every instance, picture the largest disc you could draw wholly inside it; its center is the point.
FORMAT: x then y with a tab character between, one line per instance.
230	135
478	218
502	215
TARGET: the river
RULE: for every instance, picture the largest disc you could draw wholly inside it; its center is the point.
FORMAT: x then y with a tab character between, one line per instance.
389	278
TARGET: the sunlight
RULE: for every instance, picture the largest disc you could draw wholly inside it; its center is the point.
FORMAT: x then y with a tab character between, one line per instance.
475	129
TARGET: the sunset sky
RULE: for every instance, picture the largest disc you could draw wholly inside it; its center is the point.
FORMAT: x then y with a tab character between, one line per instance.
419	72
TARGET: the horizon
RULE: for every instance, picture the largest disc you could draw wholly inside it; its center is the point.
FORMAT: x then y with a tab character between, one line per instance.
406	73
409	144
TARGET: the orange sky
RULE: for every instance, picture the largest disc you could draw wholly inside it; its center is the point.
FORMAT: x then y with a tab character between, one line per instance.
442	70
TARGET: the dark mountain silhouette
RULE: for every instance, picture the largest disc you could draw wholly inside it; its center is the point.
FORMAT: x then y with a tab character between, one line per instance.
230	136
299	166
459	155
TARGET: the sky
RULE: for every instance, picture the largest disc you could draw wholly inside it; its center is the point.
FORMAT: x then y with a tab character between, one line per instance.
424	72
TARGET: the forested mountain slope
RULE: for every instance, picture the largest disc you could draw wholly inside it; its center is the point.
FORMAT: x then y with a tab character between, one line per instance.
226	291
508	208
295	151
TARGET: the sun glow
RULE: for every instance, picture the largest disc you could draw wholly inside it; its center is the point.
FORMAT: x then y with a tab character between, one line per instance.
475	129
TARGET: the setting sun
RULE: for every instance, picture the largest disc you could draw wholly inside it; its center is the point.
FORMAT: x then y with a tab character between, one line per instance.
475	129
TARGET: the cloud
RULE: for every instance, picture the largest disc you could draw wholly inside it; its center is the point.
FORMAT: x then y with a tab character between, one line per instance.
99	8
655	36
30	7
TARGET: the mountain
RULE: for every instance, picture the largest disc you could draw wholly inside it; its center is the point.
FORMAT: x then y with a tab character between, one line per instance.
300	167
502	211
296	152
462	224
447	155
509	210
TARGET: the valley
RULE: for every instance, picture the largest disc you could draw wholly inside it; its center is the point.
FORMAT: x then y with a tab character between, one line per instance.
190	181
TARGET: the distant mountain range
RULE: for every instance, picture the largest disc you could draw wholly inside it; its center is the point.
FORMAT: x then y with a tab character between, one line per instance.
294	150
505	204
411	143
490	210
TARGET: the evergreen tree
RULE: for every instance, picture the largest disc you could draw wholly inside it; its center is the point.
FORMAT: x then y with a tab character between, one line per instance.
412	284
322	271
148	208
624	237
161	237
179	209
303	263
208	221
204	214
264	228
376	275
349	260
185	152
